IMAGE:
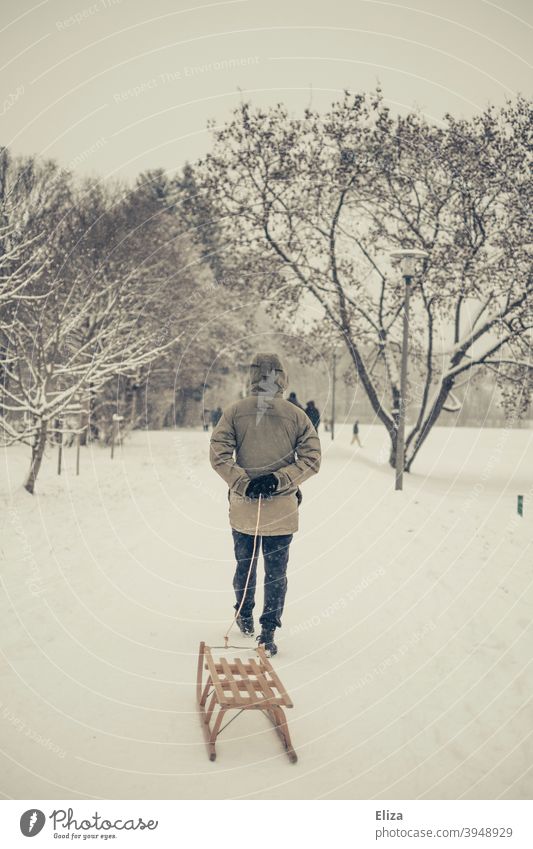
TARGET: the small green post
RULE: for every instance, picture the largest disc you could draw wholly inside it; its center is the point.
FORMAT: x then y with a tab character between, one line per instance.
520	505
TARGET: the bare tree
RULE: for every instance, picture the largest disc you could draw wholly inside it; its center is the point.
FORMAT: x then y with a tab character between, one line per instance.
311	207
80	338
33	197
118	289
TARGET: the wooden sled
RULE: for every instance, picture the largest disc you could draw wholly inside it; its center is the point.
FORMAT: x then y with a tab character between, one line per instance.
240	685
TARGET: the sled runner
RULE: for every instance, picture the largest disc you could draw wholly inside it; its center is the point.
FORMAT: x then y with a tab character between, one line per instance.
240	685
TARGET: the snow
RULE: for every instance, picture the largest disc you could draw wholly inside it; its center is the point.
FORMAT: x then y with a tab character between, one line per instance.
406	643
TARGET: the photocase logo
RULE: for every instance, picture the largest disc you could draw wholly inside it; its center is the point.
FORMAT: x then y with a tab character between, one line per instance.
32	822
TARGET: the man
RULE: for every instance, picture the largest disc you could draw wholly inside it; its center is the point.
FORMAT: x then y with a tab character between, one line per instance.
215	416
276	448
314	414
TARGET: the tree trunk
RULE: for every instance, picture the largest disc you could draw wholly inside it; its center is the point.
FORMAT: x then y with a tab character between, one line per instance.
37	453
393	430
391	424
392	454
367	383
431	419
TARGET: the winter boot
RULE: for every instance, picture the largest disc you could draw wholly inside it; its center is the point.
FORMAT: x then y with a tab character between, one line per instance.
246	625
266	639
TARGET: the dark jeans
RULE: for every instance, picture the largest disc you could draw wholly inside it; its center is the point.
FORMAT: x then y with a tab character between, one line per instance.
276	555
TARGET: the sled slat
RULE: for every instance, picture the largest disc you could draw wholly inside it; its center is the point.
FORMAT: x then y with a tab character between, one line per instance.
265	687
234	669
246	681
230	681
214	676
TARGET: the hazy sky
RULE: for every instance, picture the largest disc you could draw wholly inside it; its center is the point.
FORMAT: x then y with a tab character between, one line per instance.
116	86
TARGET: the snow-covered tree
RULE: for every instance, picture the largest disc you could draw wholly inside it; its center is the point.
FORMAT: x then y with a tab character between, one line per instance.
33	199
83	337
118	300
87	317
311	207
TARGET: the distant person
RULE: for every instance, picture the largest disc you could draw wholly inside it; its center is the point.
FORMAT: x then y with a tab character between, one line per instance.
313	413
292	399
205	420
355	437
216	416
54	435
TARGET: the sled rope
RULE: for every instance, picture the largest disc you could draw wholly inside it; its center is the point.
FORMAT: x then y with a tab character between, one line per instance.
237	612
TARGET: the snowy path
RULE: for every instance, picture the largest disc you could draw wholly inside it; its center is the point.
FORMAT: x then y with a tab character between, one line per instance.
406	644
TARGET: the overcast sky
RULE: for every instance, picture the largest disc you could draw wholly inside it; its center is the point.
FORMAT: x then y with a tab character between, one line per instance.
117	86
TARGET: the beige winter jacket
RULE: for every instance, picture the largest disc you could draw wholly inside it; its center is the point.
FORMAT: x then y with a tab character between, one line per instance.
259	435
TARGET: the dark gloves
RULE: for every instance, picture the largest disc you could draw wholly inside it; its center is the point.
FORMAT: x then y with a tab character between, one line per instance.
265	486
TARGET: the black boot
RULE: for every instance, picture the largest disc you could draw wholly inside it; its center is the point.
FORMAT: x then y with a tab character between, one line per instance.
246	625
266	639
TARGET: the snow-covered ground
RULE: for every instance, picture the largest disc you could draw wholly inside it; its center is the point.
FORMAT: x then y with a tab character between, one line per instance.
406	644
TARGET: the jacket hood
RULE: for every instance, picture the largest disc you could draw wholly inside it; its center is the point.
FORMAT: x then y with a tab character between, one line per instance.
267	375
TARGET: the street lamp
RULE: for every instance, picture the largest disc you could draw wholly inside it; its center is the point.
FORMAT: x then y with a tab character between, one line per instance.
407	259
334	380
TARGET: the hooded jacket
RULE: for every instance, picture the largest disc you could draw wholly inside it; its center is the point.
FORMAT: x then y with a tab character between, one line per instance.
265	434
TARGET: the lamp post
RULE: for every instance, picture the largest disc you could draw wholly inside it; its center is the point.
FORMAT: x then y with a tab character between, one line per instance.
407	259
334	380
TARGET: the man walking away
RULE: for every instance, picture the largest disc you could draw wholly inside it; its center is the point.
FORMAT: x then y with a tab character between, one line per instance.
264	448
355	437
313	413
215	416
